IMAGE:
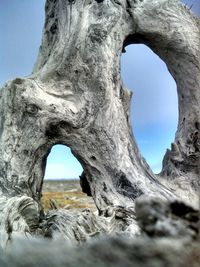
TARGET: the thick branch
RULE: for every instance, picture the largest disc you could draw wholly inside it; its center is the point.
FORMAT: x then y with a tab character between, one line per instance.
75	97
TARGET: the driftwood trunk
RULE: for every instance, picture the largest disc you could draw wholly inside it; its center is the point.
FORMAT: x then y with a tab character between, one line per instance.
75	97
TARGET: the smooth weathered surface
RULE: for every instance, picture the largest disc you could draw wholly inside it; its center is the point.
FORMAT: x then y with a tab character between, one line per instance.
115	252
75	97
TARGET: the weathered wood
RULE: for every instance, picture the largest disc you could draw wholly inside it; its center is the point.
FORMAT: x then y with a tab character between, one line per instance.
170	239
75	97
114	252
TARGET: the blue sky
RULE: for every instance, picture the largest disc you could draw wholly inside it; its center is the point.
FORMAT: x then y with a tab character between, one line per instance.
154	104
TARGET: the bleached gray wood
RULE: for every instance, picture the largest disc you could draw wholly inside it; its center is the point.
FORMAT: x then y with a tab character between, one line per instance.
75	97
115	252
170	238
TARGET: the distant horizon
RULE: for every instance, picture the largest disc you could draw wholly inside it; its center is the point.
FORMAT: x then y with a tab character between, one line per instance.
60	179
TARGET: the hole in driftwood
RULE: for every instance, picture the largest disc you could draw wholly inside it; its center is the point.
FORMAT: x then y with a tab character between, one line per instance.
61	187
154	113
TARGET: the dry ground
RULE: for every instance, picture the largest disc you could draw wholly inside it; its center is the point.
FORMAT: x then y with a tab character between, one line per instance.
65	194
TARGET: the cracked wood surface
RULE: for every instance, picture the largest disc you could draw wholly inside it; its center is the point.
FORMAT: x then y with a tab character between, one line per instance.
75	97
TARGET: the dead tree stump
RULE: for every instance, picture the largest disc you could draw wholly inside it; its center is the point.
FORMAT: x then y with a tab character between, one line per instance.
75	97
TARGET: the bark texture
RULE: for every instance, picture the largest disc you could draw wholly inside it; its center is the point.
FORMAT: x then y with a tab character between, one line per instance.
75	97
169	238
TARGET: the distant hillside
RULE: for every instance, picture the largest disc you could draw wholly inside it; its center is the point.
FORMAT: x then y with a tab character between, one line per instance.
65	193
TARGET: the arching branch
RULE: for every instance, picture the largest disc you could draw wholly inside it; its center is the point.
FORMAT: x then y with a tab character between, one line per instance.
75	97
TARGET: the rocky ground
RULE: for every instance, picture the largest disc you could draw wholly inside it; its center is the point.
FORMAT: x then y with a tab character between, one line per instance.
65	194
